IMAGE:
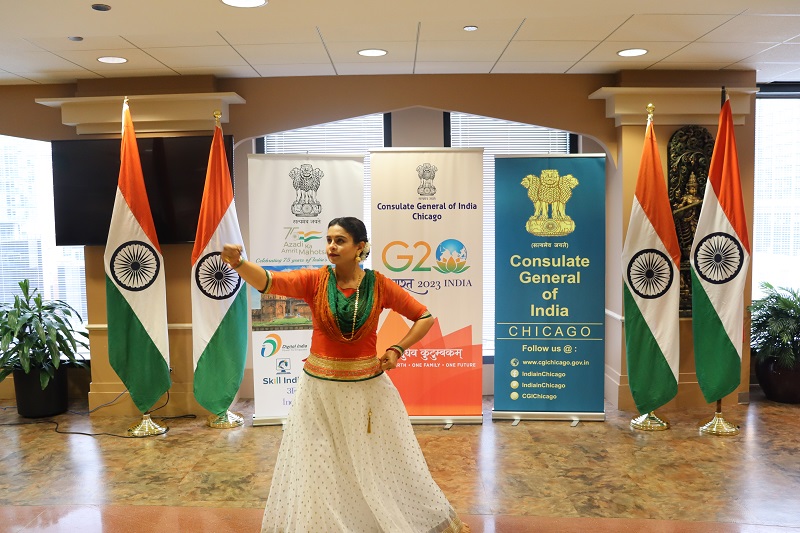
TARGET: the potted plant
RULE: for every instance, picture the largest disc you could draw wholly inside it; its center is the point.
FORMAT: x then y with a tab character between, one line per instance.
36	338
775	341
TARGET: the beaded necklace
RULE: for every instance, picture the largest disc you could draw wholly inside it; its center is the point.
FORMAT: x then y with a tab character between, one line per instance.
355	311
334	310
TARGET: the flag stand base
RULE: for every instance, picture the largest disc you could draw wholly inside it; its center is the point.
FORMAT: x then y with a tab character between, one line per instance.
226	420
146	428
719	426
650	422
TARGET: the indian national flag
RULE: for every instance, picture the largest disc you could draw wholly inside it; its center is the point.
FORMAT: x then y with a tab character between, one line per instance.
650	262
720	257
219	301
136	296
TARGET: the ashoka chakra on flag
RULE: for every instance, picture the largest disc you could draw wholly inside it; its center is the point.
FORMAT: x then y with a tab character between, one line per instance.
215	278
650	273
135	265
718	257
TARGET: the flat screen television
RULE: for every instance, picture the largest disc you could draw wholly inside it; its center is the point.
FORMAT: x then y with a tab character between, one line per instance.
85	175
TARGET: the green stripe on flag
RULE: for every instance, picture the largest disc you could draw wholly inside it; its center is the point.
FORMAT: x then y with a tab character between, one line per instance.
220	368
716	360
651	380
132	353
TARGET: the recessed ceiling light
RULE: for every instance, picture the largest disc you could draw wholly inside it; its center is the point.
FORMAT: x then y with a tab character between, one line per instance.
632	52
75	38
470	28
372	52
101	7
112	59
244	3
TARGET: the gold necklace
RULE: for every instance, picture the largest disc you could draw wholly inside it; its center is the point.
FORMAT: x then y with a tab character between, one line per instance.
355	311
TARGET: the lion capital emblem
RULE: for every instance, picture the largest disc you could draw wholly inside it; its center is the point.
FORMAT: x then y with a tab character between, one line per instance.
306	180
550	193
426	173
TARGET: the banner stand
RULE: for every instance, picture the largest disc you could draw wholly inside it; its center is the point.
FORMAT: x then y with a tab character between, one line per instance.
269	420
545	415
549	287
446	421
427	236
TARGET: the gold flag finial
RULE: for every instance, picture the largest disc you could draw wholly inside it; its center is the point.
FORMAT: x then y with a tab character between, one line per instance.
650	109
217	116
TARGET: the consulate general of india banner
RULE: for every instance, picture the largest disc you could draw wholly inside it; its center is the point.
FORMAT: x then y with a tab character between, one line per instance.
292	199
427	235
549	287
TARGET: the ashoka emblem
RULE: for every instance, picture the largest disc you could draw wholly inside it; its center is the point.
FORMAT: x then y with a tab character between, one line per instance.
216	279
718	257
650	273
135	265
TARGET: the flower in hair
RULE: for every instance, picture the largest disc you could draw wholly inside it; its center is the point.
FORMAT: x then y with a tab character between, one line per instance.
364	253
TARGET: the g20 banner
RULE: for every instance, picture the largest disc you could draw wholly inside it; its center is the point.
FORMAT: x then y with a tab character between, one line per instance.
292	199
427	224
549	287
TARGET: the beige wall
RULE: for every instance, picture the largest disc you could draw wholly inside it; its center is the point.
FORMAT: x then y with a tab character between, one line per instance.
277	104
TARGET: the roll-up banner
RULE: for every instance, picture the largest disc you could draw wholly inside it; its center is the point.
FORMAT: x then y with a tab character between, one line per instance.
427	225
292	199
549	287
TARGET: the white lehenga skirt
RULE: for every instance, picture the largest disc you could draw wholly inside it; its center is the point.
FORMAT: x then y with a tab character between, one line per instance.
340	469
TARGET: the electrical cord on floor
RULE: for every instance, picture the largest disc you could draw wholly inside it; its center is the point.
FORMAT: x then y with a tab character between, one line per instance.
57	430
99	406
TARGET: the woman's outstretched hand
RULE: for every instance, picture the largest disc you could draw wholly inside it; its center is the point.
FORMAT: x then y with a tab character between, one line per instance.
231	254
248	271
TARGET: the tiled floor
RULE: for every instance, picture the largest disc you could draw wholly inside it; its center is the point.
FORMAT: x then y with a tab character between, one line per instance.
537	476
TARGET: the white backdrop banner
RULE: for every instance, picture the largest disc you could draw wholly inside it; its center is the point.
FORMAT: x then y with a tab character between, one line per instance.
427	235
292	199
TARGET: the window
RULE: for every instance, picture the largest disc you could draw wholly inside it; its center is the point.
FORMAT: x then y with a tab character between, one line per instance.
776	202
498	137
27	229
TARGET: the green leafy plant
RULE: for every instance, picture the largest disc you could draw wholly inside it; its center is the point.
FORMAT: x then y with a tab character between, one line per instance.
35	334
775	326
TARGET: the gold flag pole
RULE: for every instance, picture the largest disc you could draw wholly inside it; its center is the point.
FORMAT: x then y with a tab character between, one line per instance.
649	421
228	419
146	428
718	425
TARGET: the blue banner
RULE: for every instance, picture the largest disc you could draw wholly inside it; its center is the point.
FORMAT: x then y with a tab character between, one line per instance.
549	285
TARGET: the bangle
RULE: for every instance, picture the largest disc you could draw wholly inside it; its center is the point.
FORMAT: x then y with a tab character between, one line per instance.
237	265
397	348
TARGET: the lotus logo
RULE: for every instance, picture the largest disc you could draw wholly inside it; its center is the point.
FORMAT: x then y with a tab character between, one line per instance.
271	345
451	257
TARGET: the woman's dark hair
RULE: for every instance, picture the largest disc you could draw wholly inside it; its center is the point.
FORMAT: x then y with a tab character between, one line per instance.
353	226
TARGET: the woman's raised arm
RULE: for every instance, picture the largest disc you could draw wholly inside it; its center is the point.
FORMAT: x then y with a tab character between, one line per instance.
247	270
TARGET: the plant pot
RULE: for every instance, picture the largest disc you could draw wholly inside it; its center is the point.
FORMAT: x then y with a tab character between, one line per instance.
32	401
780	384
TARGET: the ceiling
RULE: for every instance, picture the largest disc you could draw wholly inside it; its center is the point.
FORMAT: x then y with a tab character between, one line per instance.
322	37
